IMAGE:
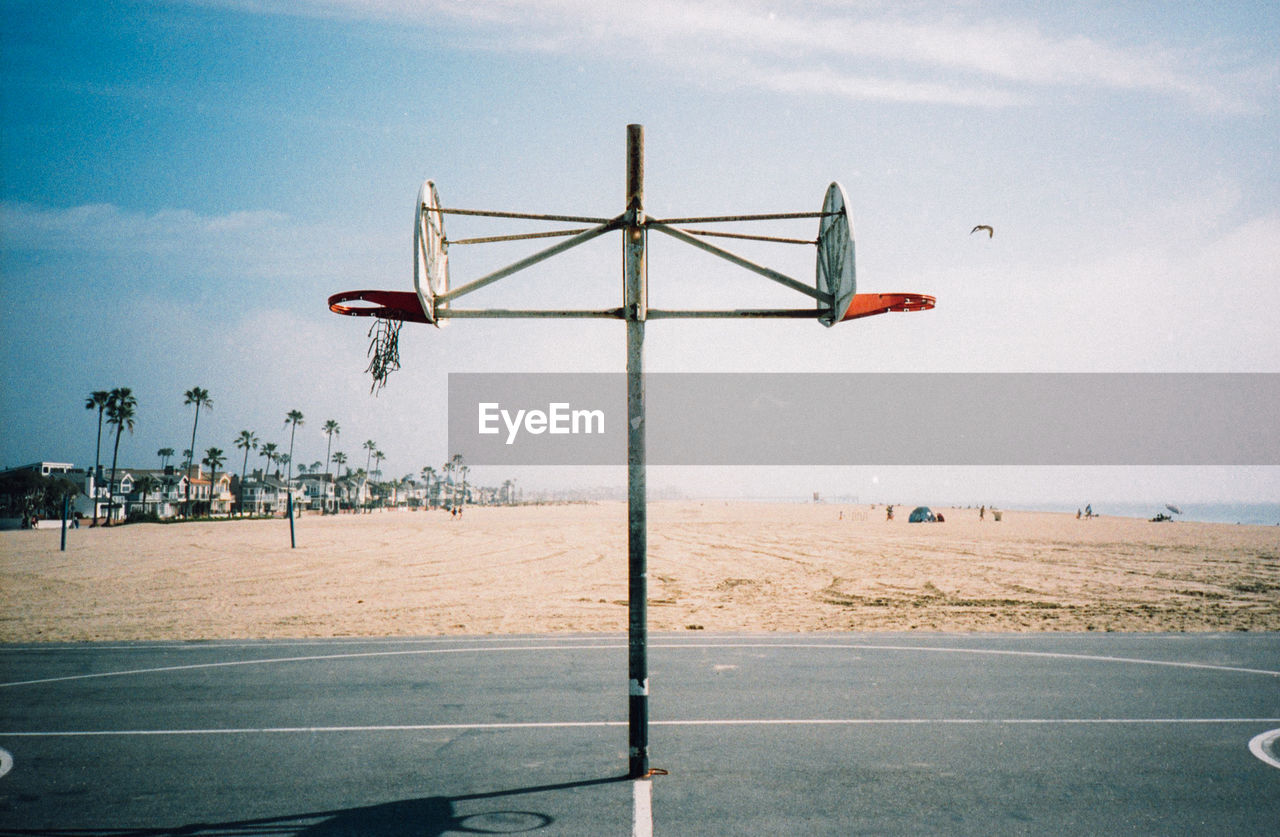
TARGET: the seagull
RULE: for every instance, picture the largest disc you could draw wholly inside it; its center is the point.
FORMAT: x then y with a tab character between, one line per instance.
990	232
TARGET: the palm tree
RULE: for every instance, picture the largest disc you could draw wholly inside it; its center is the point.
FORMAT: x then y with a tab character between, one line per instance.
455	462
331	429
165	455
121	409
97	401
378	456
464	471
370	446
196	396
214	458
246	441
447	470
295	418
339	458
428	474
361	475
268	452
447	477
144	486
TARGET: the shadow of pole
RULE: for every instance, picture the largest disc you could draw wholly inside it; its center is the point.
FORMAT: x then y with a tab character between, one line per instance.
436	815
432	816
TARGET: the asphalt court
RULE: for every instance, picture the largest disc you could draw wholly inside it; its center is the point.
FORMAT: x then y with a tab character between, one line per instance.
761	734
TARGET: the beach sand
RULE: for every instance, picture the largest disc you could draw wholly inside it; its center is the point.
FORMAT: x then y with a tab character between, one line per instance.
713	566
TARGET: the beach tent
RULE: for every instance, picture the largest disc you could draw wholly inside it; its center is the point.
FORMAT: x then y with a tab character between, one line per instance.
921	514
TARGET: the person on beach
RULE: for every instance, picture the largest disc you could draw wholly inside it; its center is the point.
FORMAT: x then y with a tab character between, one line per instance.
888	512
982	512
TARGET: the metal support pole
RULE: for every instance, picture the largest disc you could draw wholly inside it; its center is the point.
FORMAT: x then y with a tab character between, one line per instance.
293	541
66	509
635	308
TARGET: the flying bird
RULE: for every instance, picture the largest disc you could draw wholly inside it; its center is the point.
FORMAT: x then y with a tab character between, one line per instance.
990	232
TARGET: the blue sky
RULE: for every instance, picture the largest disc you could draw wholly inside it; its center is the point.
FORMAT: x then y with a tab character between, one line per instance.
182	184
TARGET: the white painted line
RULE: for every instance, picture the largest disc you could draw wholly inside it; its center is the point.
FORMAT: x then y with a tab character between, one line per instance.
316	730
617	646
305	659
6	762
1261	746
218	644
642	808
944	649
953	721
533	725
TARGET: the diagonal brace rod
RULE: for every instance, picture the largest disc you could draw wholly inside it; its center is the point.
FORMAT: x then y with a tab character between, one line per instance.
491	239
529	261
524	216
780	278
744	237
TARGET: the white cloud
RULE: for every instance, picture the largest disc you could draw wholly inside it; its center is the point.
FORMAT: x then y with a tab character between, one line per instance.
919	53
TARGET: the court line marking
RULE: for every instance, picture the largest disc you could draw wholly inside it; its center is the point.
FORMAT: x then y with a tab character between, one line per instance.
664	646
642	808
707	722
1260	746
218	644
304	659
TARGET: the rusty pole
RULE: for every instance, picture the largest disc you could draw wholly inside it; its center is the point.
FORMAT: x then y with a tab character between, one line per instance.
635	311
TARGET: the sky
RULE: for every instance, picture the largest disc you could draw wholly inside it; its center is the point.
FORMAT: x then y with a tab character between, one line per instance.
184	182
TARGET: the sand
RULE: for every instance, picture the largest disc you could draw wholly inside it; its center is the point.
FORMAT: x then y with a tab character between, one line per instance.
713	566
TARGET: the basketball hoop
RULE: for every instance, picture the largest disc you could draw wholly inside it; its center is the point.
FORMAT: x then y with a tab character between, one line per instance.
868	305
394	305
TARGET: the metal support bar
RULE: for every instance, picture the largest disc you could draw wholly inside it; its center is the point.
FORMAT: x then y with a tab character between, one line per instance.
635	297
541	255
773	238
780	278
485	213
520	237
716	219
516	314
738	313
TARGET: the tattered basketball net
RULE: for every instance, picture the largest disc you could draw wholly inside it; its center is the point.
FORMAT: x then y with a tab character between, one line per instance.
384	350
